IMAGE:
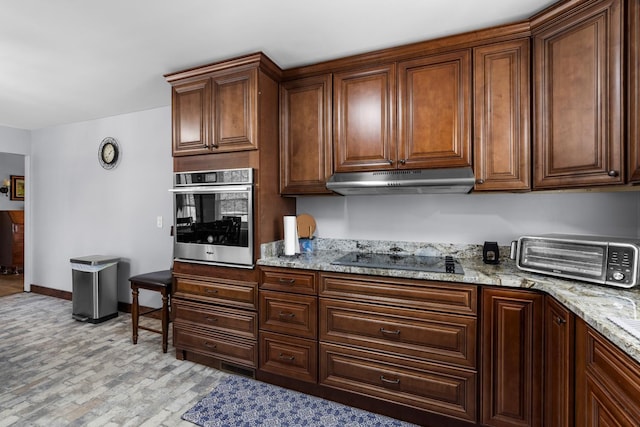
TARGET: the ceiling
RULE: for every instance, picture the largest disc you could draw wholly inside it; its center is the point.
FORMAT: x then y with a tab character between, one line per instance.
68	61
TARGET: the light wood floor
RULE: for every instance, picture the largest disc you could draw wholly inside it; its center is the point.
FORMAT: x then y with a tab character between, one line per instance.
11	284
55	371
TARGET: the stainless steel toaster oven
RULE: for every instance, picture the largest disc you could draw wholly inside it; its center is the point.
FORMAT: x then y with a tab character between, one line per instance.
598	259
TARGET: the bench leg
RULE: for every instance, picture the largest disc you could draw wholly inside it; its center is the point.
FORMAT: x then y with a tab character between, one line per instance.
134	314
165	321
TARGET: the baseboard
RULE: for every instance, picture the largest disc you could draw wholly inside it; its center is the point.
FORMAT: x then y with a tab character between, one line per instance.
123	307
57	293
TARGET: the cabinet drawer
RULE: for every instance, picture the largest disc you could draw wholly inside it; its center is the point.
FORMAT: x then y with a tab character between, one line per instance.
288	280
420	334
289	314
436	296
603	369
216	318
289	356
444	390
221	346
228	292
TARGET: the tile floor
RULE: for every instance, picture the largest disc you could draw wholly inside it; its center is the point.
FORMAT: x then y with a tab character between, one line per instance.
55	371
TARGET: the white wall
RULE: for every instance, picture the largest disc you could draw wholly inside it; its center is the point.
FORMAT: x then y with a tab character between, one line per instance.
16	141
10	164
80	209
472	218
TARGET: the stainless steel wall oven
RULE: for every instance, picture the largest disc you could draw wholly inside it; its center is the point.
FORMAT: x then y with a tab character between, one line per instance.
213	217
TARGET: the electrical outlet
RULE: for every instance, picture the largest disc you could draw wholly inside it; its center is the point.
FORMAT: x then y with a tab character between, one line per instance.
159	222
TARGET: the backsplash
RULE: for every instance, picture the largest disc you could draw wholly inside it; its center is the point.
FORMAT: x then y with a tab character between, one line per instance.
385	246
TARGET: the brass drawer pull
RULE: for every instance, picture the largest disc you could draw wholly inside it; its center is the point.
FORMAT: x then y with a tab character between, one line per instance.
388	381
211	291
388	332
209	345
287	315
287	281
286	357
211	319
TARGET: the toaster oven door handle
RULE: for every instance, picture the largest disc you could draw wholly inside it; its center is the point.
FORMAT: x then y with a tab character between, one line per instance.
214	189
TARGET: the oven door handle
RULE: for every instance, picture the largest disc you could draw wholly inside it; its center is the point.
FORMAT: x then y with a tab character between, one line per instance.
213	189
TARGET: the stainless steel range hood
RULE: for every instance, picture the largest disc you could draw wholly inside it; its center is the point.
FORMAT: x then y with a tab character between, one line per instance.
422	181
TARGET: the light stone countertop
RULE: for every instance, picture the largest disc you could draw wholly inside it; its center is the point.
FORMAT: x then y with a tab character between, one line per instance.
593	303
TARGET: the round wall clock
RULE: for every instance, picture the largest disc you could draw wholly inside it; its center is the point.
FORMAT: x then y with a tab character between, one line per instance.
109	153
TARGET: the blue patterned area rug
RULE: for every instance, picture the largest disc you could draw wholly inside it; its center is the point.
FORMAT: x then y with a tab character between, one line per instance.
240	401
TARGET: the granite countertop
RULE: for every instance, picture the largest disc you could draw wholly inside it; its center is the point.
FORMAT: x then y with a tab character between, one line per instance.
614	312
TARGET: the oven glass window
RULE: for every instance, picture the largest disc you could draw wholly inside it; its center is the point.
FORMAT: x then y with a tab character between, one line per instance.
213	218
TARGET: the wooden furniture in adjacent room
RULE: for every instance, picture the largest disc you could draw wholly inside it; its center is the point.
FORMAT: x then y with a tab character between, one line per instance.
157	281
12	241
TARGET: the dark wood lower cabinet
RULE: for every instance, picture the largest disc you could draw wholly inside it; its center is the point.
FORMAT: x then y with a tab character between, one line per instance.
511	351
607	382
559	339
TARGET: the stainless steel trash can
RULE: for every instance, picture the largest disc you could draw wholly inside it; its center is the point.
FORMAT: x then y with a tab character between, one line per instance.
95	288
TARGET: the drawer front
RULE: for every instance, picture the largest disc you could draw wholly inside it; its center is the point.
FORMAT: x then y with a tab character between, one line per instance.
436	296
289	356
426	335
216	318
289	314
223	347
288	280
237	294
446	391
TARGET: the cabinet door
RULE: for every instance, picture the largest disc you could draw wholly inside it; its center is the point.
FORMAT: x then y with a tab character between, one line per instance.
364	110
511	345
190	117
578	120
235	110
607	382
559	324
633	70
501	116
305	135
434	111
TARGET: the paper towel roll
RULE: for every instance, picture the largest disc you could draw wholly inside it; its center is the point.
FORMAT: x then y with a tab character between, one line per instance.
290	235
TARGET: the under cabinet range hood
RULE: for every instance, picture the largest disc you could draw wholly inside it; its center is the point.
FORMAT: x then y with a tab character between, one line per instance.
421	181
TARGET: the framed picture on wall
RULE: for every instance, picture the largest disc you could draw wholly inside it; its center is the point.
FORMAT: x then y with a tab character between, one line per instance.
17	187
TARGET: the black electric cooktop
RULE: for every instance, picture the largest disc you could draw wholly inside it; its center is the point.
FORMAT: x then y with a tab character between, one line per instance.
434	264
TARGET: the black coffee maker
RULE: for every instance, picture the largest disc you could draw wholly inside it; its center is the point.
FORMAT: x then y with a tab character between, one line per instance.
490	253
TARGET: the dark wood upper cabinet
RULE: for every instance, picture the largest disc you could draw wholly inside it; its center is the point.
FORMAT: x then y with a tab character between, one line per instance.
191	110
434	111
511	349
305	135
633	79
216	107
578	117
502	144
234	106
559	333
364	105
